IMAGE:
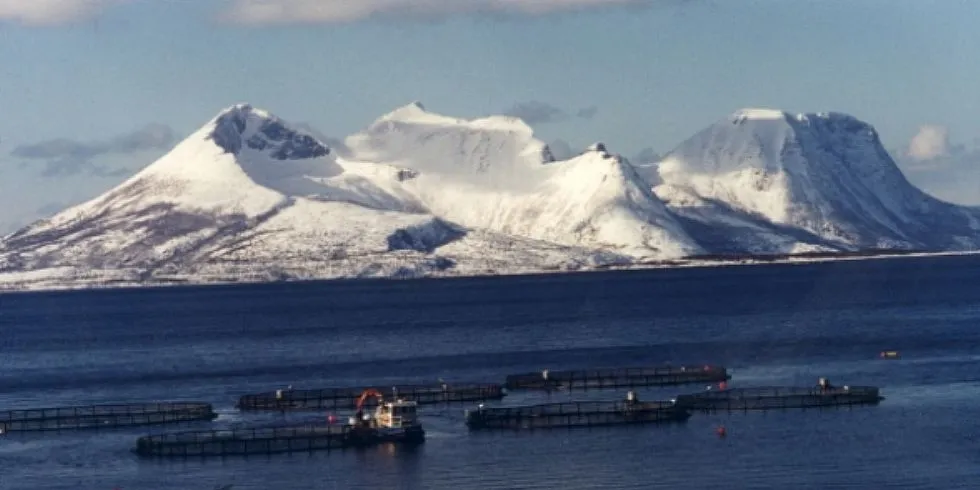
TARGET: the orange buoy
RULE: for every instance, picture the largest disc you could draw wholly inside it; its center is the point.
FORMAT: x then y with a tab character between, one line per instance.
723	385
721	431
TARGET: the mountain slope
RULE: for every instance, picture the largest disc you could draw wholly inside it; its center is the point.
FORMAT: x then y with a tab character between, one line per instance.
493	174
762	181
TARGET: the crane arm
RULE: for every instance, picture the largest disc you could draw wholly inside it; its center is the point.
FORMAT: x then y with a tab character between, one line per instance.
368	393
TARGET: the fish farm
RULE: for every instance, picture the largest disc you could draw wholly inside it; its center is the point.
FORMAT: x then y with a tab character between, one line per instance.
616	377
346	398
104	416
575	414
396	418
770	398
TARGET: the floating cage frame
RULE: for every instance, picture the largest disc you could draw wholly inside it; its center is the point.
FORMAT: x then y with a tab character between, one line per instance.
245	441
266	440
575	414
104	416
617	377
346	397
779	397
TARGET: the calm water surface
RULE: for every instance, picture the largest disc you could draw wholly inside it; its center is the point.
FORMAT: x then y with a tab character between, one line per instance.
777	324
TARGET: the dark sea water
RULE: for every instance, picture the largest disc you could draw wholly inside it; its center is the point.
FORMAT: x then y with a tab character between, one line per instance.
774	324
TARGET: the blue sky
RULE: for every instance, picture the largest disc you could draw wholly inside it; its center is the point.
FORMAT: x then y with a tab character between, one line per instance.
648	74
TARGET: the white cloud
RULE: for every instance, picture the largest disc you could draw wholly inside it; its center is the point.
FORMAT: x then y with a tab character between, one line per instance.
954	177
929	143
947	170
340	11
50	12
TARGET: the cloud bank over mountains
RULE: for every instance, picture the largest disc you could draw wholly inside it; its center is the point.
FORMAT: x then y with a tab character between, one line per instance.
65	157
342	11
51	12
270	12
949	170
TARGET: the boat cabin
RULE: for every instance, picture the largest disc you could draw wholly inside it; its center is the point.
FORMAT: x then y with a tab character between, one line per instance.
397	414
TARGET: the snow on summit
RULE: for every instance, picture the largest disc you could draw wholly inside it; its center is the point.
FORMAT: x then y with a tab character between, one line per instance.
757	113
249	197
501	147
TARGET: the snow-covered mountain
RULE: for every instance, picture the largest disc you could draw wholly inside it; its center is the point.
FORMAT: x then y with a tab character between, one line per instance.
232	192
768	181
249	197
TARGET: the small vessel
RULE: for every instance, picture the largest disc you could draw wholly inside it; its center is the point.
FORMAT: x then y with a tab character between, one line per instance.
393	421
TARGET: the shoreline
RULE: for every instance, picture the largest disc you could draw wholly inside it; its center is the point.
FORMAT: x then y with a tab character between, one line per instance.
109	284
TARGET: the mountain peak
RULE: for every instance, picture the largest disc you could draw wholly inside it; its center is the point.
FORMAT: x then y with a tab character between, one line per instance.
244	126
597	147
772	141
839	123
825	122
435	143
825	174
413	112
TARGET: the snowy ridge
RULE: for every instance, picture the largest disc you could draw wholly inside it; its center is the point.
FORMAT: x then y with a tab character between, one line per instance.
493	174
248	197
593	200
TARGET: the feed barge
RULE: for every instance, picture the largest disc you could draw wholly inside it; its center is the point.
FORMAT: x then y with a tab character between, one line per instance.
576	414
104	416
616	377
346	397
393	422
779	397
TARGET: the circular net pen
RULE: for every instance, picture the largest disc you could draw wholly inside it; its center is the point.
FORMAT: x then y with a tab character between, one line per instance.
575	414
770	398
617	377
346	397
238	442
104	416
